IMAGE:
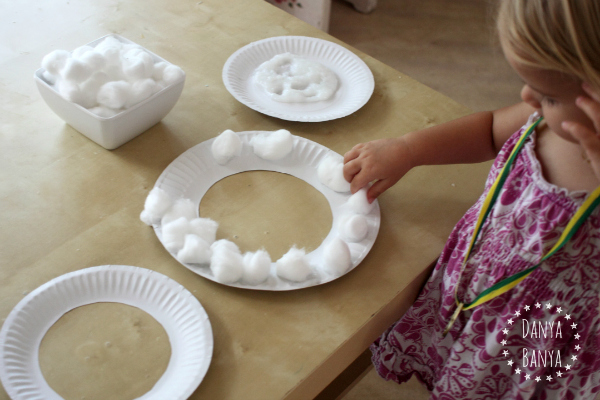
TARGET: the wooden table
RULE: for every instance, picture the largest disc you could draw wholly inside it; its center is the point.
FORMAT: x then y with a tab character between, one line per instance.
67	204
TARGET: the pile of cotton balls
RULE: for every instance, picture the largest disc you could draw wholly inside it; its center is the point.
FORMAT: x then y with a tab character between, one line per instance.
108	78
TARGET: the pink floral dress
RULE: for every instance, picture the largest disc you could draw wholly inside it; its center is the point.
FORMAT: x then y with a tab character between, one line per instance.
540	340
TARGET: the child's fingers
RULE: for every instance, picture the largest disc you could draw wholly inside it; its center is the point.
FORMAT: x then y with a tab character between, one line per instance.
351	168
353	153
591	92
358	181
378	188
591	108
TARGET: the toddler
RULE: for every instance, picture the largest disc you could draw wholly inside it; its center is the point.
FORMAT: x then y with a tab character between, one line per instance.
511	310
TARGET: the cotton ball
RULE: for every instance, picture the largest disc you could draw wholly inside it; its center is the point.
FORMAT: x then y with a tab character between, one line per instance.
48	77
181	208
359	204
114	94
226	146
70	91
54	61
293	265
110	48
146	217
158	70
90	88
114	72
354	228
171	74
76	70
140	91
224	244
330	173
157	203
95	60
205	228
336	257
257	267
103	112
137	64
80	51
173	234
226	262
273	145
195	251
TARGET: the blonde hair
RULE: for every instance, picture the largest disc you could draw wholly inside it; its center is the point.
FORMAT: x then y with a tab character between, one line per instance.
560	35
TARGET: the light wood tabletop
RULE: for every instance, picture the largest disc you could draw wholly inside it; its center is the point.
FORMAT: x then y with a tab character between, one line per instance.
67	204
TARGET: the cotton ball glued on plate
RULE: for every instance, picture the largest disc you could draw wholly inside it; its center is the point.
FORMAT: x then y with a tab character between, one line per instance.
157	203
293	265
336	257
354	228
174	233
226	146
273	145
257	267
181	208
204	228
226	262
331	174
359	204
195	250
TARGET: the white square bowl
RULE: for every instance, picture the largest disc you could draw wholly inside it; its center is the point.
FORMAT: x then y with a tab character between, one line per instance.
114	131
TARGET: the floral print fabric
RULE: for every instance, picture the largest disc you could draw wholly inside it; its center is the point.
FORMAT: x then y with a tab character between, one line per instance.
540	340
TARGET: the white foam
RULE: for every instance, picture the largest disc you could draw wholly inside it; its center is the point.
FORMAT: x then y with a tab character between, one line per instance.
291	78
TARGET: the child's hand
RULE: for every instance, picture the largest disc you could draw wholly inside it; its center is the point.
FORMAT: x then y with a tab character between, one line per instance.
588	139
384	161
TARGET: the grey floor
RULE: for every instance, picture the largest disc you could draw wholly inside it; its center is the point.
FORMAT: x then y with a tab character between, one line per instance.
448	45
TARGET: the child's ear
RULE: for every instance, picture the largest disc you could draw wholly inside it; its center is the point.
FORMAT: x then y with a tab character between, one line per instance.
531	97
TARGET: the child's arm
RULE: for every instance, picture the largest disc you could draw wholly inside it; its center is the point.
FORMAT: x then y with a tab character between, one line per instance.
475	138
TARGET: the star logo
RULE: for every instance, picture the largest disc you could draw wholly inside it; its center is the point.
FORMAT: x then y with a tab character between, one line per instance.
533	328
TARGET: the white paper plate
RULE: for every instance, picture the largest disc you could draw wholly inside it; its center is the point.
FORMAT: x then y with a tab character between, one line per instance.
356	81
180	313
192	173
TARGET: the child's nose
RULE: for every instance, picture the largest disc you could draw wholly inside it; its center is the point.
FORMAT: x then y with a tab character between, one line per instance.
531	97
